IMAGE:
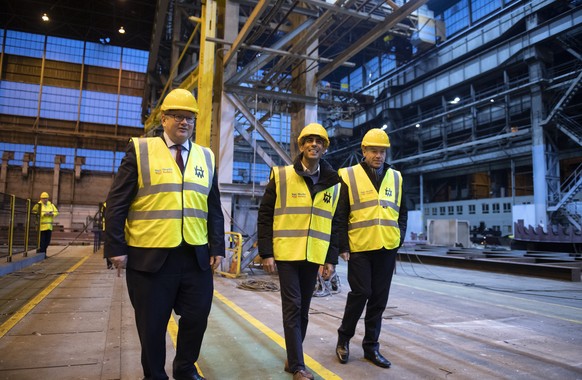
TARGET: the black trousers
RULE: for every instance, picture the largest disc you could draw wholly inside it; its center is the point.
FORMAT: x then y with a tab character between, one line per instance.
297	280
369	276
45	240
179	285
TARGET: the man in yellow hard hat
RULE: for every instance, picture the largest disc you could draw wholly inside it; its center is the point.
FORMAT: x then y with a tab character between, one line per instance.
376	229
165	224
47	211
297	230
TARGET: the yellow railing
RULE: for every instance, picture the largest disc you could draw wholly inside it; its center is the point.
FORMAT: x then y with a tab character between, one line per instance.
230	266
19	230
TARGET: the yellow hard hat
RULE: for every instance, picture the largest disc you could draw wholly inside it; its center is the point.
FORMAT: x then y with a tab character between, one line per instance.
44	195
313	129
180	99
376	137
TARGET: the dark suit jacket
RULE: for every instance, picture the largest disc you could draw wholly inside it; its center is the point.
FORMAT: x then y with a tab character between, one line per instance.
123	191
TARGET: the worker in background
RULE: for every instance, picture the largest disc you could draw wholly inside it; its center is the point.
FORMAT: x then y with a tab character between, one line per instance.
297	230
47	211
165	225
376	229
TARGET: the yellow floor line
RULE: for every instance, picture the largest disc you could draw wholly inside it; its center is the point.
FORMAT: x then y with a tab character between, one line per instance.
309	361
21	313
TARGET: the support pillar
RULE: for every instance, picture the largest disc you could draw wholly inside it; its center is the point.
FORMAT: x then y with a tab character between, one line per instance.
539	145
79	161
206	72
59	159
305	83
6	156
224	112
27	158
539	164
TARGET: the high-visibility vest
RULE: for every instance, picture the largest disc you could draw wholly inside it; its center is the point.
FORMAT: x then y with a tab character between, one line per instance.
46	221
169	207
373	220
301	225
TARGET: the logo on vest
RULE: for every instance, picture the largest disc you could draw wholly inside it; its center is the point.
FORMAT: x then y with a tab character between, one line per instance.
388	192
298	195
199	172
327	197
163	171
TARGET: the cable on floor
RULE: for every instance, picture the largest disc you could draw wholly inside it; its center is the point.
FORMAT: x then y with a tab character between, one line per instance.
258	286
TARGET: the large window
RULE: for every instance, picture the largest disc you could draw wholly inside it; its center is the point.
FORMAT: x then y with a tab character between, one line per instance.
64	50
19	99
387	63
356	79
135	60
98	160
456	18
103	55
24	44
482	8
372	70
59	103
71	51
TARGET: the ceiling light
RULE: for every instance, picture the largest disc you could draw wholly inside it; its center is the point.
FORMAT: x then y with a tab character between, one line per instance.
455	101
384	126
121	30
417	125
45	17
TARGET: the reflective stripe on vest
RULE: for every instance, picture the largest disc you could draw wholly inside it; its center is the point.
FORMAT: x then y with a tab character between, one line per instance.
46	221
169	206
373	221
302	225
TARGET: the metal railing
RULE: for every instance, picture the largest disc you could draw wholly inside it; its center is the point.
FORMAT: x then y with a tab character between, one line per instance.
18	225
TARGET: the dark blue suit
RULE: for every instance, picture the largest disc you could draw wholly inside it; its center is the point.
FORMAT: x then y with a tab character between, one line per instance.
160	280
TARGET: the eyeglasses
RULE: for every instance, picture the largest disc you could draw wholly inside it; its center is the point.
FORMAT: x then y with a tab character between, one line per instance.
180	118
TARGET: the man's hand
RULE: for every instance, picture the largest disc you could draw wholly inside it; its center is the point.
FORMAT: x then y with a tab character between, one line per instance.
119	262
215	262
328	270
269	265
345	256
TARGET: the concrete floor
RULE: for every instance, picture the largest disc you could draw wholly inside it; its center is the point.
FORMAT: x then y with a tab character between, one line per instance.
68	317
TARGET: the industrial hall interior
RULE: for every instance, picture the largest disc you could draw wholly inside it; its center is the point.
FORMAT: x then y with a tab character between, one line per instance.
478	105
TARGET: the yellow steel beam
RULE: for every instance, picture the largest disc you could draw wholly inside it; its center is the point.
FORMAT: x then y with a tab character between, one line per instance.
206	72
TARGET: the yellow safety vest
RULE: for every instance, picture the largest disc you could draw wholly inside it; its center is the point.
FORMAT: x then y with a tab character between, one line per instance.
169	206
373	220
301	225
46	221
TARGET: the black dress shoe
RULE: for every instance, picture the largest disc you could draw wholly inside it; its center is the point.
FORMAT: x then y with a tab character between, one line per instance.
377	358
342	350
192	376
